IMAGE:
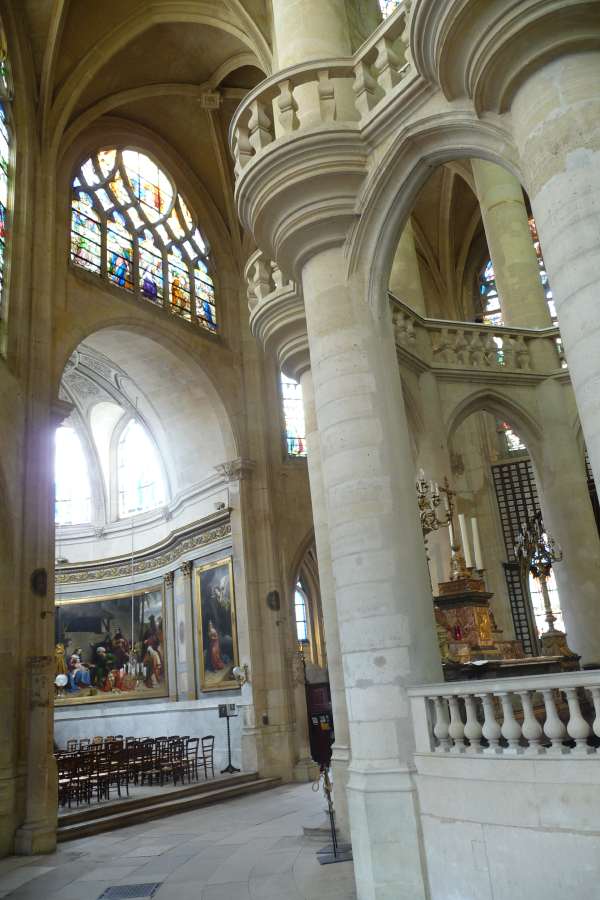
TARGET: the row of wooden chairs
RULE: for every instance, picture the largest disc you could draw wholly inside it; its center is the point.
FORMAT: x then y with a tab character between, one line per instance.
96	768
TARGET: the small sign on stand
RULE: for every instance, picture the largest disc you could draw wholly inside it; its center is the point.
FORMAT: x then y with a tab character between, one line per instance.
228	711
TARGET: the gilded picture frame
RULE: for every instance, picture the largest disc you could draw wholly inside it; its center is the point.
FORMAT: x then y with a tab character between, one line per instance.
111	647
216	622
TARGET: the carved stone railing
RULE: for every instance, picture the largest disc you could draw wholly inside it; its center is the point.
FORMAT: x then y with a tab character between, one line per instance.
532	716
463	345
276	108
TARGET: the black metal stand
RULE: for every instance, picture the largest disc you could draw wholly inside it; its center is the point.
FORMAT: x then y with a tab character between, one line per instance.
229	769
334	852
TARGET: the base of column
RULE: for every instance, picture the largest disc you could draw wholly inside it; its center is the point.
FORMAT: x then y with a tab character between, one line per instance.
340	760
33	839
386	836
305	770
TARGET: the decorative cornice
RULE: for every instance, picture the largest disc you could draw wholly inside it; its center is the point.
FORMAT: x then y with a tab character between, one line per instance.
485	49
148	561
236	469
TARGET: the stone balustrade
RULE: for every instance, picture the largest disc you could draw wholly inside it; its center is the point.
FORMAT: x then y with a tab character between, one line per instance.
540	714
276	108
466	345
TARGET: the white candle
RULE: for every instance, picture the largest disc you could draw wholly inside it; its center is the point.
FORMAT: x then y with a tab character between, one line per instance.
451	534
465	540
476	545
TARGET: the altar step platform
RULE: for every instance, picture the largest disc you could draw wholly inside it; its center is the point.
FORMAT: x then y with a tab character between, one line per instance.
150	803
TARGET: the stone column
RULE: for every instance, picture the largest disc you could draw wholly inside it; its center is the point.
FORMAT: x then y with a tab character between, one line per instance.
341	749
405	277
505	220
310	29
556	123
305	768
171	635
568	515
188	649
385	615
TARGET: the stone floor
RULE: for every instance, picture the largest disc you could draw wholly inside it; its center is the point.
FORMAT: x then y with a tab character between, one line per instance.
252	848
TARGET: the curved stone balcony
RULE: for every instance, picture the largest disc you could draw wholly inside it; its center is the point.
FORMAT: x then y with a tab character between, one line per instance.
349	91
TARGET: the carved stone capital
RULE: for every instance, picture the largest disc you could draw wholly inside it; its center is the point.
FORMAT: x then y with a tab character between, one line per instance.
169	578
236	469
186	568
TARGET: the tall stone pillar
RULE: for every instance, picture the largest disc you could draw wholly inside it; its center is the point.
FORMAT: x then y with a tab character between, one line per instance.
310	29
387	635
569	517
556	123
341	749
405	277
183	607
516	269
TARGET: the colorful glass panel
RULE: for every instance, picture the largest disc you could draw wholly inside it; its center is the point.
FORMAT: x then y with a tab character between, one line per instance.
124	198
85	234
119	252
179	285
293	411
205	297
151	270
4	169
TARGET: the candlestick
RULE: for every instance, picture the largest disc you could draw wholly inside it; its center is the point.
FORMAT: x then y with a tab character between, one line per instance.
476	544
465	540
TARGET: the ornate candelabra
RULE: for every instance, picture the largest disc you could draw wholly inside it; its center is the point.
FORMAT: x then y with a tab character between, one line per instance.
537	551
429	498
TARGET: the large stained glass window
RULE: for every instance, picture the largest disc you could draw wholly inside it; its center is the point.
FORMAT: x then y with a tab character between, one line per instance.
388	7
5	171
130	225
293	412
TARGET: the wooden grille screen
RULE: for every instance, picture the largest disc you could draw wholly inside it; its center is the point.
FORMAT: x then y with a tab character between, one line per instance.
517	497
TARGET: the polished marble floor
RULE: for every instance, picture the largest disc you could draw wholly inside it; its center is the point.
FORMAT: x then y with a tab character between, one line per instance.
251	848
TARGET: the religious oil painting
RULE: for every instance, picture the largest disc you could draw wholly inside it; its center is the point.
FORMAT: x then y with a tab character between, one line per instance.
215	604
110	648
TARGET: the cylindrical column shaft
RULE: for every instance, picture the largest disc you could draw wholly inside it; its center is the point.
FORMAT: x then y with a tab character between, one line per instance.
341	747
387	634
405	277
569	517
310	29
556	121
516	269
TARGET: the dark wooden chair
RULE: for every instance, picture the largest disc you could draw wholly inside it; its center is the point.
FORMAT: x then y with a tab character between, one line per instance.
207	755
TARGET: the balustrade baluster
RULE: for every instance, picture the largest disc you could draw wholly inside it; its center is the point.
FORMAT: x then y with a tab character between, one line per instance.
261	134
595	691
326	92
386	65
441	727
491	730
577	727
364	88
287	107
472	727
242	148
508	352
511	730
553	726
532	730
457	728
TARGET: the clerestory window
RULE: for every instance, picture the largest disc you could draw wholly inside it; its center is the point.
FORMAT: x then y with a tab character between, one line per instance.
139	474
6	148
293	413
130	225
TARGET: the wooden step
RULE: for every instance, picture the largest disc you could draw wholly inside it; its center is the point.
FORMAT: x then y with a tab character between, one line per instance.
101	810
118	816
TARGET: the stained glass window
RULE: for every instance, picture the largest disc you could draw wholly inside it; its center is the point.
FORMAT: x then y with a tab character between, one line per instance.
388	7
139	474
130	225
537	601
73	494
5	170
512	443
300	615
293	411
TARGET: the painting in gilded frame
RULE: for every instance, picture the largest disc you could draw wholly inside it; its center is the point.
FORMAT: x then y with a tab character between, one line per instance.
110	648
217	631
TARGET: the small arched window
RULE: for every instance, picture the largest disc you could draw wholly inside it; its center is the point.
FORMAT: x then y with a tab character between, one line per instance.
293	413
6	147
139	475
130	225
73	493
301	615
